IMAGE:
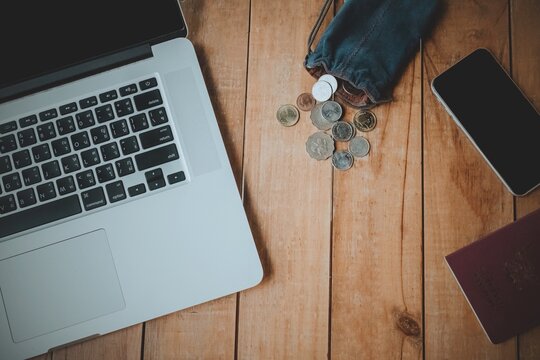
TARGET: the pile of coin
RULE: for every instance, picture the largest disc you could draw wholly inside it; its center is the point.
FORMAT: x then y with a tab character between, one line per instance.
326	115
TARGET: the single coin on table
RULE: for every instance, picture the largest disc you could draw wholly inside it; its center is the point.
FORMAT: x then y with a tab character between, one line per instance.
342	160
350	88
359	146
342	131
331	111
288	115
331	80
306	102
318	120
365	121
322	91
320	146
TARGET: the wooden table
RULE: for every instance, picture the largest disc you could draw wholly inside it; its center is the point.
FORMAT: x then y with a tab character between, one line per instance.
348	256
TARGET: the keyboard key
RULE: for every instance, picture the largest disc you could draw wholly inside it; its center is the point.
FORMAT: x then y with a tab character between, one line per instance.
7	143
85	179
110	151
65	125
48	114
80	140
176	177
7	204
28	121
119	128
68	108
155	179
123	107
156	157
66	185
148	83
128	90
108	96
71	163
158	116
93	199
148	100
104	113
27	137
46	131
31	176
8	127
39	215
156	137
116	191
85	119
100	134
139	122
26	198
105	173
51	169
12	182
46	191
41	152
21	159
129	145
125	167
61	146
137	190
88	102
5	164
90	157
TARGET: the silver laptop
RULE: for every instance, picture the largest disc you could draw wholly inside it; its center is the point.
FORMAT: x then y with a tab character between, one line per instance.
117	200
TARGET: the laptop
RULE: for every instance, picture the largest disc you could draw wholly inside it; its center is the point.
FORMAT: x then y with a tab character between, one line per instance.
117	200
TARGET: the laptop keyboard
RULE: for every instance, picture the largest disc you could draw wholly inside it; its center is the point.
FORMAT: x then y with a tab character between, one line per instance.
87	155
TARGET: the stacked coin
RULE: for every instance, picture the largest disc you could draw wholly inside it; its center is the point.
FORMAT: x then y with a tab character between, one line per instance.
326	114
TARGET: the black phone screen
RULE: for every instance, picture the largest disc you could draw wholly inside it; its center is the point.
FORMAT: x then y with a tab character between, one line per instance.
497	117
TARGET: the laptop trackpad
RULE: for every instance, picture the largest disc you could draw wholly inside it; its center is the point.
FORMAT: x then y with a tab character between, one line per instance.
60	285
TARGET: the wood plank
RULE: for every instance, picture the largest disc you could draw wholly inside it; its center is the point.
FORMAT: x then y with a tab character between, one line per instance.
526	72
288	195
123	344
219	32
377	236
463	198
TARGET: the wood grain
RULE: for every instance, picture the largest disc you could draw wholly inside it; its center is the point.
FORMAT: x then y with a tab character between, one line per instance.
124	344
377	236
525	27
219	32
288	195
463	198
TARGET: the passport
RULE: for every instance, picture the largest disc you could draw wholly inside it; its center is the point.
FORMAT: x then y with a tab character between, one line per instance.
499	275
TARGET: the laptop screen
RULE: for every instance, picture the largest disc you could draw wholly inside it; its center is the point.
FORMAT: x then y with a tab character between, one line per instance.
41	36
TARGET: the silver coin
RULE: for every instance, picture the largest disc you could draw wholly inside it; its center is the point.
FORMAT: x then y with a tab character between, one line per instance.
342	131
342	160
288	115
359	146
322	91
318	120
331	80
365	121
331	111
320	146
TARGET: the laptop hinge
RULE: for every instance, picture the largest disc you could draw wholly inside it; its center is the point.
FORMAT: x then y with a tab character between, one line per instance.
75	72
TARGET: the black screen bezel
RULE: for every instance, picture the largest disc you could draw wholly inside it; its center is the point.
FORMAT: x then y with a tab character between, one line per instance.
469	59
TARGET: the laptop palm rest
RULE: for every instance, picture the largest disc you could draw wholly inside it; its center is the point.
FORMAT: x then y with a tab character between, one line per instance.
60	285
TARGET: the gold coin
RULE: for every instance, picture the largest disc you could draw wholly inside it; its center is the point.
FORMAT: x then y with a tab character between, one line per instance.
365	121
288	115
306	102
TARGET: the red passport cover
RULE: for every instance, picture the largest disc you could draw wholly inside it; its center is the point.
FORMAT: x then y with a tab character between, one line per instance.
500	277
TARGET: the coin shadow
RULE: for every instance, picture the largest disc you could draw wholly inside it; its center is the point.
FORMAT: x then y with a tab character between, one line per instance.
256	231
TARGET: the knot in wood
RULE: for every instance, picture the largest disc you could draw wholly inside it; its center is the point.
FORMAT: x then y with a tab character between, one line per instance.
408	325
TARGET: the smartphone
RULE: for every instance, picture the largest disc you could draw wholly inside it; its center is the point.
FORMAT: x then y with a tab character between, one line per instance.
496	116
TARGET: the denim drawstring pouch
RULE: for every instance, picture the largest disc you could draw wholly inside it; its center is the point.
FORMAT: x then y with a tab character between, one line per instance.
367	45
